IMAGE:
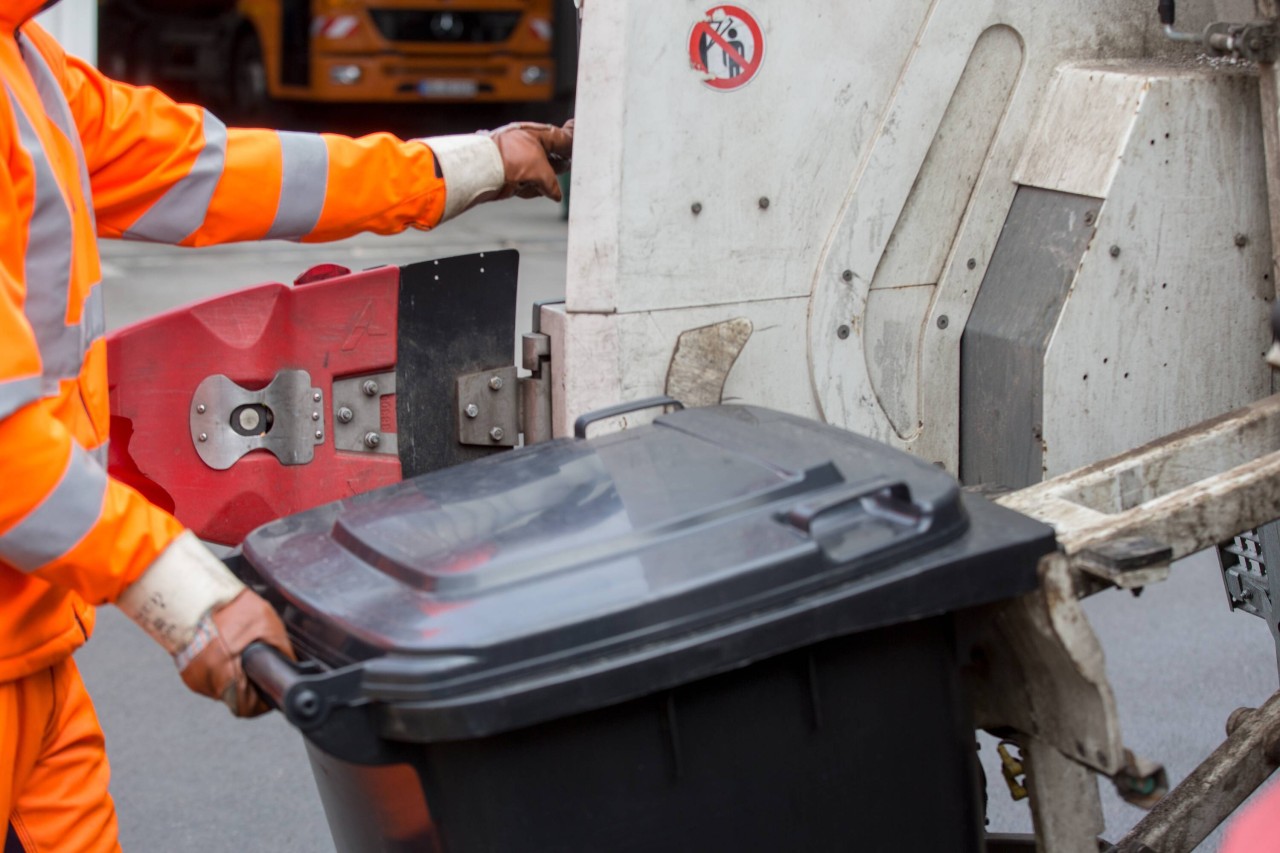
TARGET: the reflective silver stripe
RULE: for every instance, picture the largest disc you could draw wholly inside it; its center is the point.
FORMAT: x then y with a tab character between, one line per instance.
48	266
62	519
58	110
181	211
16	393
306	181
101	454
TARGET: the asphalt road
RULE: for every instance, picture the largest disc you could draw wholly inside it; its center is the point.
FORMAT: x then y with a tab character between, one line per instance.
189	777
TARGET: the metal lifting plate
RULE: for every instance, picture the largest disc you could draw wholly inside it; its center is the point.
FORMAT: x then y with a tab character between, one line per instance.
285	418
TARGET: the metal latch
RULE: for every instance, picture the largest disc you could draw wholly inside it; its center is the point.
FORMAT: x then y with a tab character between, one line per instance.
357	414
284	418
496	407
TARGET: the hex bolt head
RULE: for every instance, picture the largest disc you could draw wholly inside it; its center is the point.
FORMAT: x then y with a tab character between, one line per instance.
472	410
345	415
200	409
496	433
943	321
372	440
1242	240
764	203
495	383
1115	251
696	208
370	388
847	276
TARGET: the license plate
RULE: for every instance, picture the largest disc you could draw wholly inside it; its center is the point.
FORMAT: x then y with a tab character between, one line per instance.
448	88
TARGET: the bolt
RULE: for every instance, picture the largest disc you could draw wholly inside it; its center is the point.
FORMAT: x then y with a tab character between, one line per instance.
696	208
472	410
250	419
372	440
345	415
1090	217
1246	594
1241	241
315	416
200	409
204	436
943	321
842	333
764	203
847	275
495	383
496	433
315	397
370	388
972	263
1115	251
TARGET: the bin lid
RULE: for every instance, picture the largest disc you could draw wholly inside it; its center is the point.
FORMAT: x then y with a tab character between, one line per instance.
578	573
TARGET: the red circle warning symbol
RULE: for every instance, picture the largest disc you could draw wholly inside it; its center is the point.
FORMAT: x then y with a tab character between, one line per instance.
726	47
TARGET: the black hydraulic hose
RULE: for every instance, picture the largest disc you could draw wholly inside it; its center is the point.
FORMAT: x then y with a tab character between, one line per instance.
1166	12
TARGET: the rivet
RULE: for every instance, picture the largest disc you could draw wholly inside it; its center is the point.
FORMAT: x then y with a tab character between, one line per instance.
764	203
200	409
315	416
972	263
847	275
1115	251
495	383
204	436
696	208
315	398
1242	240
319	435
472	410
372	439
1090	217
345	415
370	388
842	333
943	321
496	433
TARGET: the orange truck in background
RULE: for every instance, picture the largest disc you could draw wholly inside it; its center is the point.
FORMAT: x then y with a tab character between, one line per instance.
255	53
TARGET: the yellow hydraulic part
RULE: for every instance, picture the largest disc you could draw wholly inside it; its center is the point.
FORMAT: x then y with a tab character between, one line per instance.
1012	769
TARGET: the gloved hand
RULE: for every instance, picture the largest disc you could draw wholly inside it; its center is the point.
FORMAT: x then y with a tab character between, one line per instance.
190	603
532	156
520	159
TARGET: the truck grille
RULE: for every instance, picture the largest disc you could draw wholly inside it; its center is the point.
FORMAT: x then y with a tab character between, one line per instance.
442	26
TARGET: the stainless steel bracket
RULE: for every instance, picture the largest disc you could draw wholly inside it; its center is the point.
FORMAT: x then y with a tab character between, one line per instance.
489	407
284	418
357	414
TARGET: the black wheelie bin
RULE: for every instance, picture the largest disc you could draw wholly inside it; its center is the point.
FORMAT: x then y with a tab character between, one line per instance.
729	630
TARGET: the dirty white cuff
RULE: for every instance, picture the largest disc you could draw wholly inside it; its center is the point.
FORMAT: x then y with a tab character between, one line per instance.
471	165
182	585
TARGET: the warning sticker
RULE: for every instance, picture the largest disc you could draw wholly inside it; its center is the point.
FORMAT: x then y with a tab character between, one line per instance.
726	47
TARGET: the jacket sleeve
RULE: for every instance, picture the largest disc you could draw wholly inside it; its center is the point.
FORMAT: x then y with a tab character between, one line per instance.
62	519
173	173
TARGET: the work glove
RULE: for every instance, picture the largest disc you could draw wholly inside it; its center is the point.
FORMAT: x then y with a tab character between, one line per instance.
191	604
520	159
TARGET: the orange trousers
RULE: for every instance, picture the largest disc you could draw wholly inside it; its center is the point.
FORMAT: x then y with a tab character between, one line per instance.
53	766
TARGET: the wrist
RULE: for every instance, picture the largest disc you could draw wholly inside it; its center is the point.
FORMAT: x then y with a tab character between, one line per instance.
178	590
472	167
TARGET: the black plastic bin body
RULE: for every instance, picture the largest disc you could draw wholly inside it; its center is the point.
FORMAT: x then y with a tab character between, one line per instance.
727	631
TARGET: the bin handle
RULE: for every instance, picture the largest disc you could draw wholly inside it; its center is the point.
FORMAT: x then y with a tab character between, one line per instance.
283	684
582	424
888	498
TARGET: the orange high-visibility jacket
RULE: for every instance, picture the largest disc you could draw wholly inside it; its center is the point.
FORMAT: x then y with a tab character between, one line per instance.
85	156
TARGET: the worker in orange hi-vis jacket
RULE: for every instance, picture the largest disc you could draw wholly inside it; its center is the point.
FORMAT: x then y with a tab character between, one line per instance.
84	156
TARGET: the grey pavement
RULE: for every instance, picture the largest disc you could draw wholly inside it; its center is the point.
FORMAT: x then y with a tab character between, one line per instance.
189	777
